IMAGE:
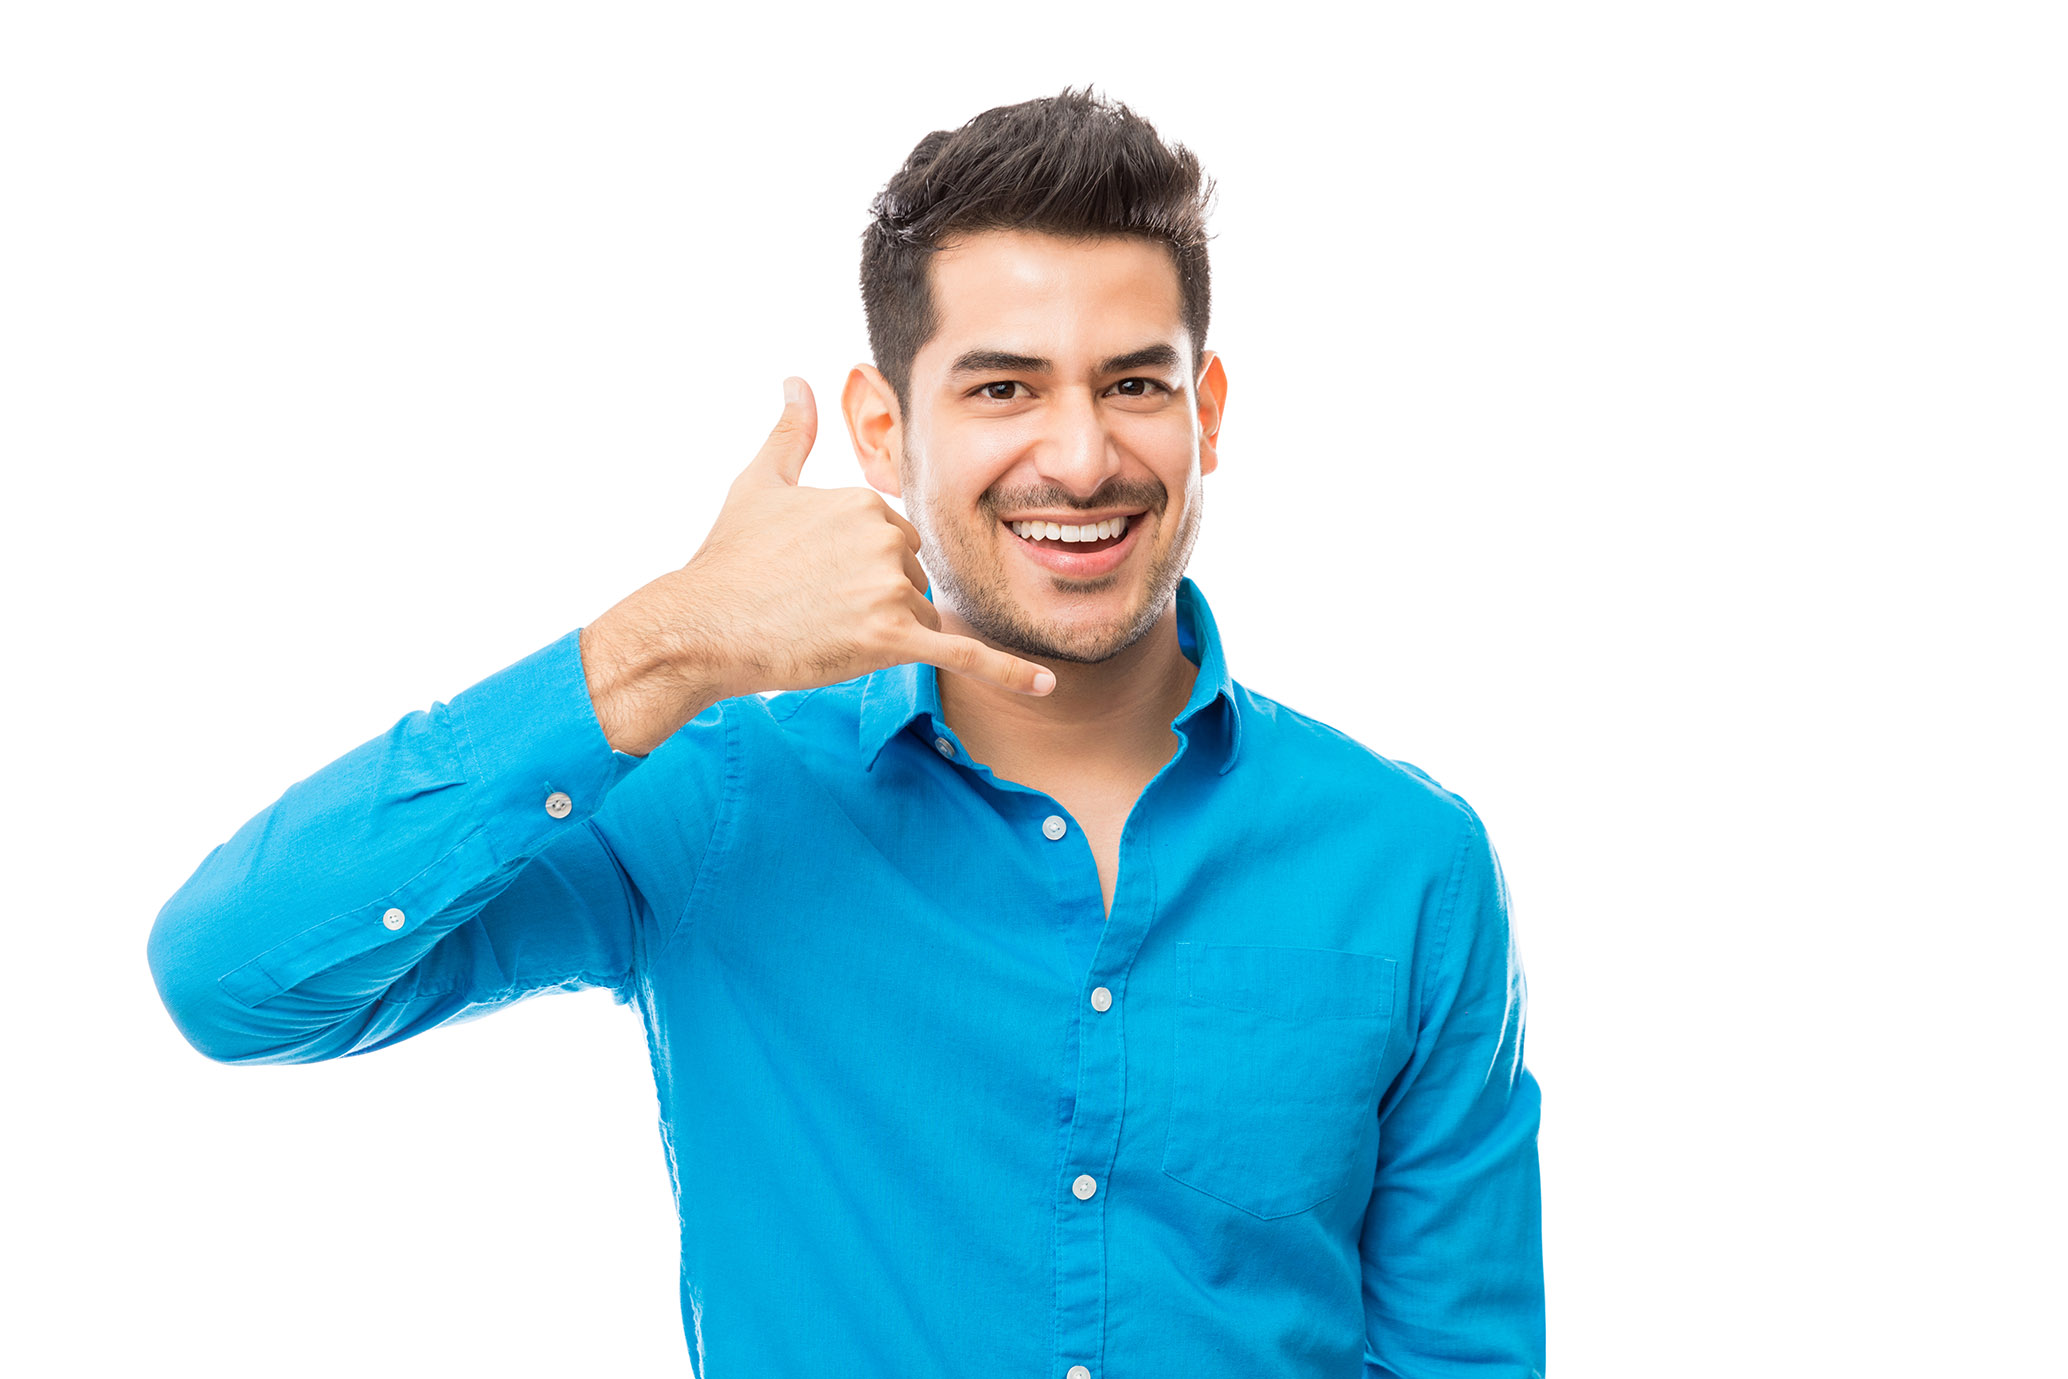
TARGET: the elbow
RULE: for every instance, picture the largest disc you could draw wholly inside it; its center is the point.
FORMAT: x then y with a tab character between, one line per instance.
199	1008
187	962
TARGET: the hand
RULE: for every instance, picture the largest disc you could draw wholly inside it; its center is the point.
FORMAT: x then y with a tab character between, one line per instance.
793	588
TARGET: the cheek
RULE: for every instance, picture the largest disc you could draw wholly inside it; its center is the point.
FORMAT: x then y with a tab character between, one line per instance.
1161	444
998	445
972	461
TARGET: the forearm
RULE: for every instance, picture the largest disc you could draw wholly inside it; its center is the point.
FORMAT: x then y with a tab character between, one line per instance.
283	942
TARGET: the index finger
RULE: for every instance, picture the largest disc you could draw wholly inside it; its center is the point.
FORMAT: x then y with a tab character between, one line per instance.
968	656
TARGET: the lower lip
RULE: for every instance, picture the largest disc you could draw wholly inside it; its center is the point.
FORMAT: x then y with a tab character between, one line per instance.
1059	558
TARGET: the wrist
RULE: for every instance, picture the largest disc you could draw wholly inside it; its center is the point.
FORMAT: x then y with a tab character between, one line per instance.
646	677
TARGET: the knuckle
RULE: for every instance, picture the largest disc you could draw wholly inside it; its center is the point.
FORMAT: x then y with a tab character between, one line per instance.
887	625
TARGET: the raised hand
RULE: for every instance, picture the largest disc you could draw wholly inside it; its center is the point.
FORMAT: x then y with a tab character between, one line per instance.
793	588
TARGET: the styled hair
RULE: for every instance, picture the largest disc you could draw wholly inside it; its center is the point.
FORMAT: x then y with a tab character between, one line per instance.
1074	165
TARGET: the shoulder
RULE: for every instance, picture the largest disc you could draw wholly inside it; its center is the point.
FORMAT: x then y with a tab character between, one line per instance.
749	748
830	712
1285	749
788	729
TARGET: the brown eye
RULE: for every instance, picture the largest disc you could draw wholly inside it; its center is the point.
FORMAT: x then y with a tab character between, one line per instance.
990	390
1138	387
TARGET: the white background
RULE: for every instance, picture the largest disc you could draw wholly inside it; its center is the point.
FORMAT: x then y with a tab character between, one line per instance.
1648	421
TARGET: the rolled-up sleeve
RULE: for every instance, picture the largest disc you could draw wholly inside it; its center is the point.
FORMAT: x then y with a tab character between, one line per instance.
442	867
1452	1243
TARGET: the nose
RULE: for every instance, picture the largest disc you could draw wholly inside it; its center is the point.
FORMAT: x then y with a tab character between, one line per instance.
1076	453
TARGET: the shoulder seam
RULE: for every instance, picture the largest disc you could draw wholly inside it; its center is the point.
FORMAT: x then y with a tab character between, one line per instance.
713	846
1447	915
1413	773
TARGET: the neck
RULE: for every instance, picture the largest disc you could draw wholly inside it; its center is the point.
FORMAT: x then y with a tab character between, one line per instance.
1109	716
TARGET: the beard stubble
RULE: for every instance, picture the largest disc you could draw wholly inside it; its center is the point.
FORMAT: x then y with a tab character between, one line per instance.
971	575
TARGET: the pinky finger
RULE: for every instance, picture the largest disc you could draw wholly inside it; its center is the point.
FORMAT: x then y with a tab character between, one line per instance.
968	656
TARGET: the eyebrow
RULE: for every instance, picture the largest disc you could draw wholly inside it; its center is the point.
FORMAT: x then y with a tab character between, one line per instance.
1004	361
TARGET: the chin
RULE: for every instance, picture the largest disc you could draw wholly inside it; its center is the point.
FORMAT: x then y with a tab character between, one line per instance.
1050	627
1040	616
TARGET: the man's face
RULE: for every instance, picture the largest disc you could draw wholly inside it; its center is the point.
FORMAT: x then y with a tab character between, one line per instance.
1059	388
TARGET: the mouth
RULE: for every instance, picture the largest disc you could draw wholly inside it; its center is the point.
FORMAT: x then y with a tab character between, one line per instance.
1083	550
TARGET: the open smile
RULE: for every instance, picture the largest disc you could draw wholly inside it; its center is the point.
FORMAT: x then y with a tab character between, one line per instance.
1081	549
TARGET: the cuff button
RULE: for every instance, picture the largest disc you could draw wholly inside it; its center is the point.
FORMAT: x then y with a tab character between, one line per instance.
558	805
393	919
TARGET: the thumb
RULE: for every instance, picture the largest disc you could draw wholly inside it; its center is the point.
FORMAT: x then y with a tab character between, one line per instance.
782	454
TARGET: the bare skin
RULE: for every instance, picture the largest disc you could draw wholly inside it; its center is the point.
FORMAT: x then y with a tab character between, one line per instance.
794	588
1044	751
1060	384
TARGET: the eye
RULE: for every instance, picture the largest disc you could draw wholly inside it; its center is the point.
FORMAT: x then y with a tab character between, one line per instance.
1139	387
992	391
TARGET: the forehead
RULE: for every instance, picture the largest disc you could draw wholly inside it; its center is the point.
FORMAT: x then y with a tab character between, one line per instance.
1046	295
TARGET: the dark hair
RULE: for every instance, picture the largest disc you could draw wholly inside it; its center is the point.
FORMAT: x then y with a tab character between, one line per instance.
1073	165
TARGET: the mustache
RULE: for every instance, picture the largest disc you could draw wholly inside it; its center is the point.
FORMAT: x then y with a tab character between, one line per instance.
1115	493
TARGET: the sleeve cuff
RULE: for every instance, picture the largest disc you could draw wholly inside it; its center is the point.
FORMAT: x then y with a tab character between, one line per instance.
535	755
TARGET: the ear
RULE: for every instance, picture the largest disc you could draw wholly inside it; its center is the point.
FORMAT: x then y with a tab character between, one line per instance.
1212	391
871	409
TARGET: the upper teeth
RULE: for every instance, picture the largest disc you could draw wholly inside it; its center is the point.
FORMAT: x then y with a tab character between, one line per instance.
1053	531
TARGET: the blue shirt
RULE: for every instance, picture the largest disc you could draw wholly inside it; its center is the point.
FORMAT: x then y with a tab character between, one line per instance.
928	1110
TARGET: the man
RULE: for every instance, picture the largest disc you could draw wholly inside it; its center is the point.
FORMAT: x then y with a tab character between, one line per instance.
1073	1012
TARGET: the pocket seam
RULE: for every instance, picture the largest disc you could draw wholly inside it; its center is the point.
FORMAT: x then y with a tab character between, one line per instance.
1386	974
1381	1017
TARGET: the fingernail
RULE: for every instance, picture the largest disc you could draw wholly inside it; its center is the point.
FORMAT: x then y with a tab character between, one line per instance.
793	391
1044	680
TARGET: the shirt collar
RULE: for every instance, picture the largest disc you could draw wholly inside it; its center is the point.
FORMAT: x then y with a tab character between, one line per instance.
897	696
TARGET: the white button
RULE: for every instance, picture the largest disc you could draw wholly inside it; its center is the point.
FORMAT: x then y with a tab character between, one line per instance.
1053	826
1078	1372
393	919
1085	1186
944	747
558	805
1101	999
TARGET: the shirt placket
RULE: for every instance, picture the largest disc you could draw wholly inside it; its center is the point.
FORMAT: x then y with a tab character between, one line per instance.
1097	1092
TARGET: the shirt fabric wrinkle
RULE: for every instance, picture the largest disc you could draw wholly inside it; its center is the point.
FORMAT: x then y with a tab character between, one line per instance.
891	1020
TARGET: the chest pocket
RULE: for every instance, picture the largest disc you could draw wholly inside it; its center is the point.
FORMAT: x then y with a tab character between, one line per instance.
1275	1071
